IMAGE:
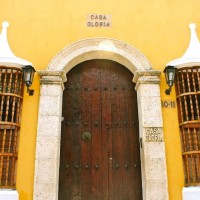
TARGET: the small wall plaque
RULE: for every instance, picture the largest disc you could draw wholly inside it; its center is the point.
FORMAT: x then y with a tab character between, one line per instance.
153	134
168	104
99	20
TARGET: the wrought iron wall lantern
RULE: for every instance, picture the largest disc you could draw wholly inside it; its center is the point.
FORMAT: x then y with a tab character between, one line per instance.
28	74
170	77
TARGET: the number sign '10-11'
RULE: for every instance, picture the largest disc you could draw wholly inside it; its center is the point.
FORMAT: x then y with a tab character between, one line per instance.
168	104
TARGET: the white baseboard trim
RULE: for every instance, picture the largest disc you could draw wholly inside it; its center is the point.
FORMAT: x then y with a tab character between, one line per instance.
9	194
191	193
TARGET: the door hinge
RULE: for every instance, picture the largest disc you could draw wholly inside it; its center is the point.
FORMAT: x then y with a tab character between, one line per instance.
141	143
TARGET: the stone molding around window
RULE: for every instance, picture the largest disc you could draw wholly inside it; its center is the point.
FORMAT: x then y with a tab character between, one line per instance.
153	157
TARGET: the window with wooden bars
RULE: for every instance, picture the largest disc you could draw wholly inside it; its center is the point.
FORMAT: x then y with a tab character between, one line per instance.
188	102
11	91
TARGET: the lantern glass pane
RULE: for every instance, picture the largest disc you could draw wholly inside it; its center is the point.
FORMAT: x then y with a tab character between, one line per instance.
27	75
169	74
28	72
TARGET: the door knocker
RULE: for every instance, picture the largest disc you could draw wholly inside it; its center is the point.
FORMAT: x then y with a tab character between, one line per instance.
86	136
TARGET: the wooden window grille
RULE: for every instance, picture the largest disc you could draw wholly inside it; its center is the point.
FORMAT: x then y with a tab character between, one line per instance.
188	102
11	91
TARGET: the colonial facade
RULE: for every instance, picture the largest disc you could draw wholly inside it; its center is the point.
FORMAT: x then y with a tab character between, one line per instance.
98	121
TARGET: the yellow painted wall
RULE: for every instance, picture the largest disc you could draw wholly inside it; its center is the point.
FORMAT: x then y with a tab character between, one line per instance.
39	29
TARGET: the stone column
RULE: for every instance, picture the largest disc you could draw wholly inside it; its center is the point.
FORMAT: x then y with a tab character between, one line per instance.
152	147
48	135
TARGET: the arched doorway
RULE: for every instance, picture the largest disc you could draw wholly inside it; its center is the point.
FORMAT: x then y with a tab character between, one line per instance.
100	151
152	149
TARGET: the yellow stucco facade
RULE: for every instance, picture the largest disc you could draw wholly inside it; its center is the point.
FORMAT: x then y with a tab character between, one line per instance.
40	29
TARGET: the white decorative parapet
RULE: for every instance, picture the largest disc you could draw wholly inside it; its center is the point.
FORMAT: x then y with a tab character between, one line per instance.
9	194
7	57
191	57
191	193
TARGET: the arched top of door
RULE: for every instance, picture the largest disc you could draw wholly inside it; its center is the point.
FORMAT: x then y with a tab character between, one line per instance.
99	48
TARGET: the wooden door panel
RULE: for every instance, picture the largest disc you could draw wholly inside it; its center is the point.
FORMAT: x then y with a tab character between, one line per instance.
96	132
86	146
106	123
100	99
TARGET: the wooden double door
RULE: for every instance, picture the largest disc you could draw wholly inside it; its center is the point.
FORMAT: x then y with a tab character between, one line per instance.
99	157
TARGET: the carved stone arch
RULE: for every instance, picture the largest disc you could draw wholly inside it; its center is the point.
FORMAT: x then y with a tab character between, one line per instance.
99	48
153	158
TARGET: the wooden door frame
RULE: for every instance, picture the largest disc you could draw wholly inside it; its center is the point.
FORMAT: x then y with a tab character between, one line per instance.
152	150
